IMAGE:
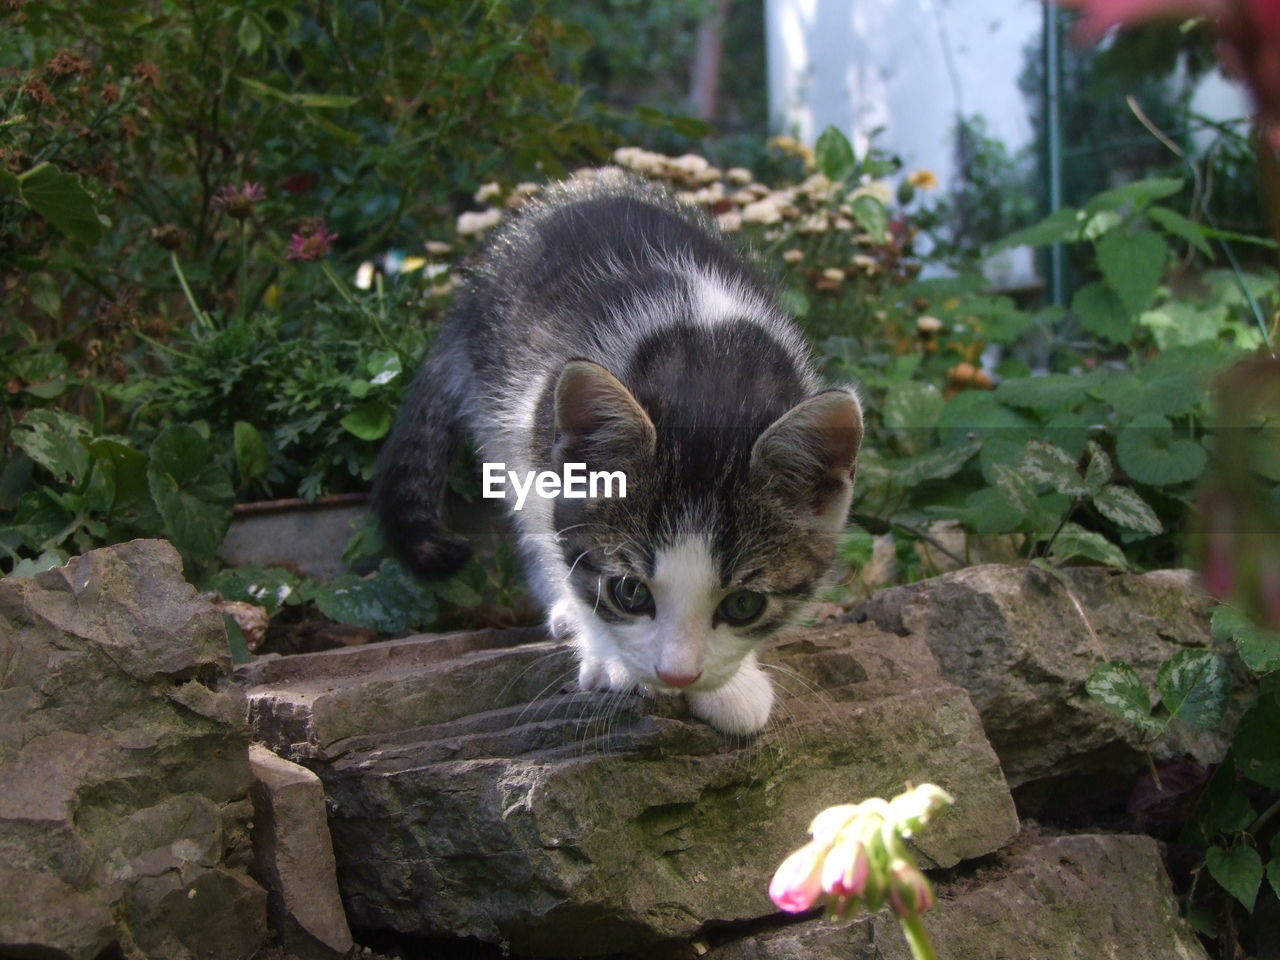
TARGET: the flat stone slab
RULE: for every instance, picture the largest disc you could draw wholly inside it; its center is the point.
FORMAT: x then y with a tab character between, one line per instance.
1069	898
470	795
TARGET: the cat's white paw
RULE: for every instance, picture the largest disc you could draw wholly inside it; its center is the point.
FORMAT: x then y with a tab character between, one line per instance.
561	621
741	706
593	674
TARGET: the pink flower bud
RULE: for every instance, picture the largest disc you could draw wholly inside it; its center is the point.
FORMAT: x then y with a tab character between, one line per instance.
909	890
797	884
845	869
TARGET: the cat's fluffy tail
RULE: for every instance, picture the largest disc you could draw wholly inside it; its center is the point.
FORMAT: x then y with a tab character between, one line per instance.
413	470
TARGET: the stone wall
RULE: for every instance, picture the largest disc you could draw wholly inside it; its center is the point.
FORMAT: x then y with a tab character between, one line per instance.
471	792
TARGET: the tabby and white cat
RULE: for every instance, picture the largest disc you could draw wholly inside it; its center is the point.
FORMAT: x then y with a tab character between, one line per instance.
611	326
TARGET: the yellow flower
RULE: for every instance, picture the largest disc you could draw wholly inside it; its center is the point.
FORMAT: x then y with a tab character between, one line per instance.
923	180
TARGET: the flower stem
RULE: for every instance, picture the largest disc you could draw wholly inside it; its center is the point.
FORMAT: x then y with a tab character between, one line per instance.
244	269
182	279
917	939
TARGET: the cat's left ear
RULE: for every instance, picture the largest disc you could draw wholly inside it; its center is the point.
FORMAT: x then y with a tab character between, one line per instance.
809	455
598	417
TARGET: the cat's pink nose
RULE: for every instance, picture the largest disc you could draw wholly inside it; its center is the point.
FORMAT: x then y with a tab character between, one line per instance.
678	679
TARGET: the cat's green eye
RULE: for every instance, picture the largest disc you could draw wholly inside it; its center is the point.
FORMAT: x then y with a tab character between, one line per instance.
631	595
741	607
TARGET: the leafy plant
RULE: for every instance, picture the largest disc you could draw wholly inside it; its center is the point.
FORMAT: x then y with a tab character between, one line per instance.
1232	825
84	488
1098	461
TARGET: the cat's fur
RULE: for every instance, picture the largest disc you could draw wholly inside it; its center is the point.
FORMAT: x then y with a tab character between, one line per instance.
611	326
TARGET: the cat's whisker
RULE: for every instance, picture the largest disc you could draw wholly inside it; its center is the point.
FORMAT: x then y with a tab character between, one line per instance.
535	662
818	695
544	699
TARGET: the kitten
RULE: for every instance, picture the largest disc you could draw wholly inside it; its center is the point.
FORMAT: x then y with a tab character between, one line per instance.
609	325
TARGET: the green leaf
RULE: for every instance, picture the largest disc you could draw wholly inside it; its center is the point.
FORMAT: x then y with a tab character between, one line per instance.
1238	871
1047	463
692	127
1148	452
1068	430
1132	264
236	641
383	367
834	155
1258	648
311	100
457	592
1235	237
60	199
1017	488
1150	393
1273	872
1138	193
979	413
249	36
269	587
127	470
871	216
1178	225
976	415
1254	744
1098	224
369	421
911	405
1048	392
191	491
1075	541
937	289
389	602
1102	313
1116	686
45	294
1098	471
323	101
1062	226
1224	807
1195	687
46	561
938	464
55	440
251	451
997	318
1122	505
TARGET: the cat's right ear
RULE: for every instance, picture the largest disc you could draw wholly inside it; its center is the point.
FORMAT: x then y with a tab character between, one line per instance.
598	417
810	454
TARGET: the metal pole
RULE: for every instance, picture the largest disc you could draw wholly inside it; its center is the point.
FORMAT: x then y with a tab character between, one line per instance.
1053	142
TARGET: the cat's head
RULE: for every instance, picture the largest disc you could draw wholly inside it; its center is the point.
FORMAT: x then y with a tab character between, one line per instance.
734	504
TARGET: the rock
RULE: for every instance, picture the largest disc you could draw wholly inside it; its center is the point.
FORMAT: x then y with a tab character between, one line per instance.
1011	636
469	797
1070	898
124	771
294	858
